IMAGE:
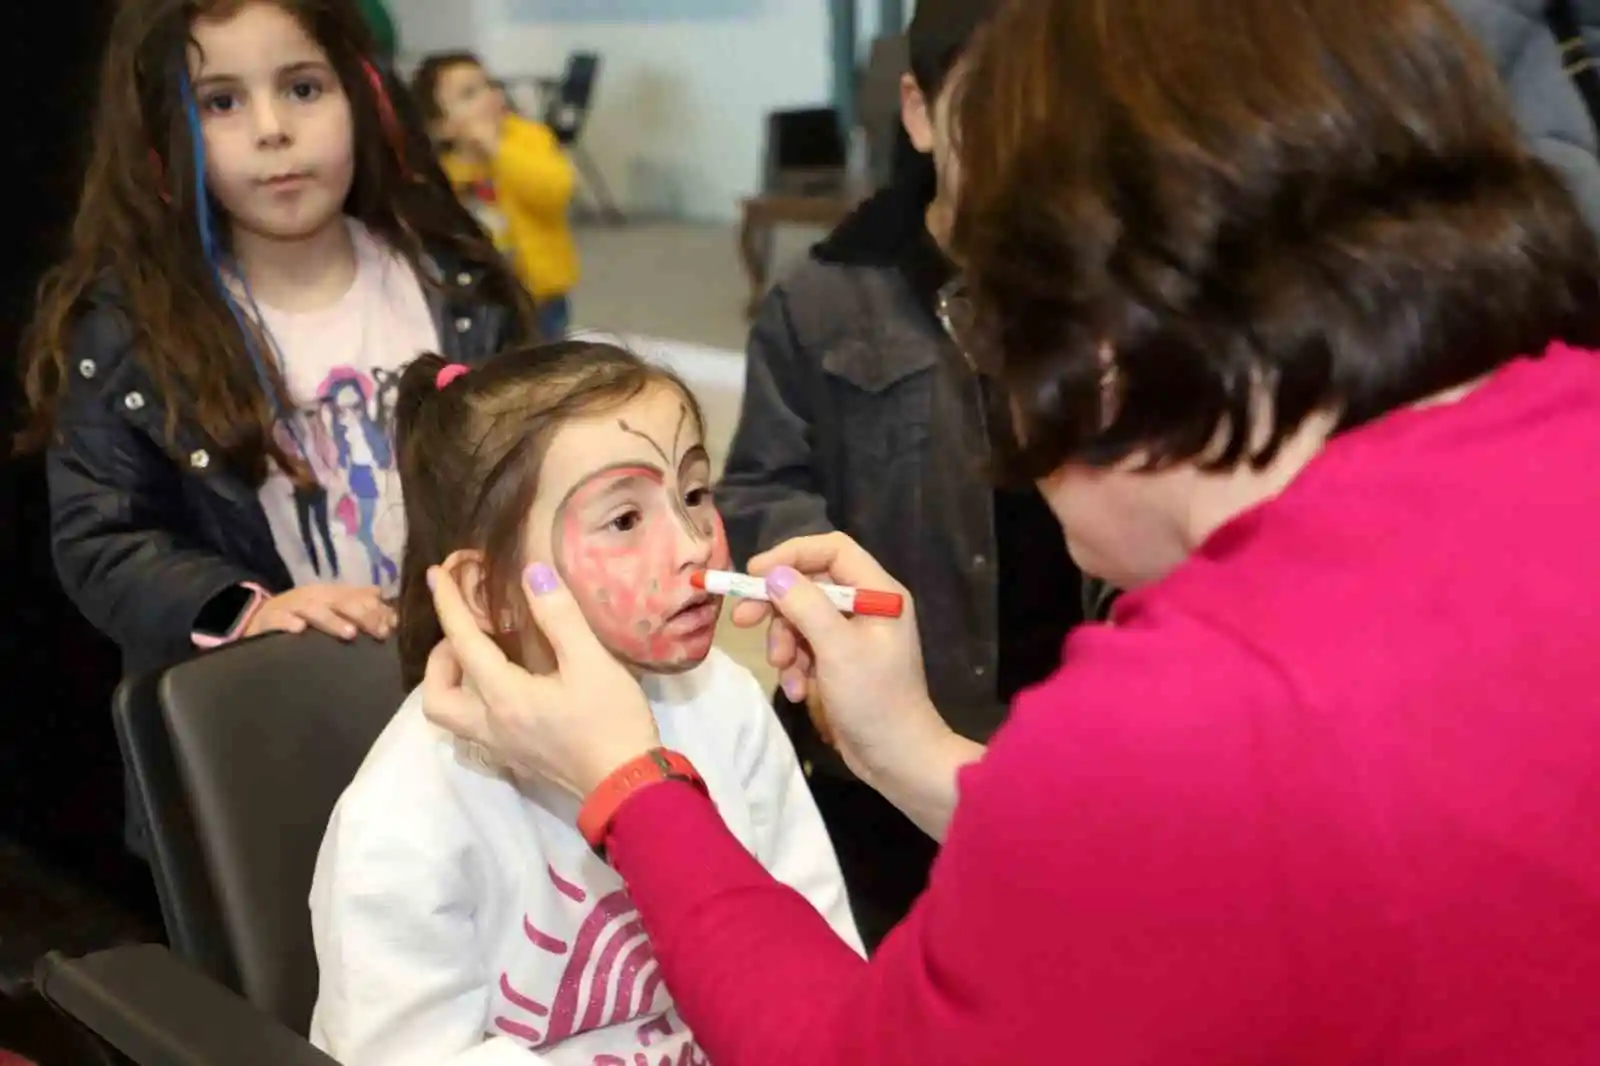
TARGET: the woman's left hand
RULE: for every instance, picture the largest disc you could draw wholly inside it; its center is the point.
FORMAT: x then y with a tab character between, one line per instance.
571	728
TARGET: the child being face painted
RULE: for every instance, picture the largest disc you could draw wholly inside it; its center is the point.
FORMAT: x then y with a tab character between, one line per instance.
578	454
624	512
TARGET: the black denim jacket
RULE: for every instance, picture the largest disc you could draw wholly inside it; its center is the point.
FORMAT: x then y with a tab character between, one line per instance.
142	541
861	415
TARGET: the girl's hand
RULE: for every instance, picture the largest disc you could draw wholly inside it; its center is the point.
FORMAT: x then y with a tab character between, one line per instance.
340	611
482	135
861	678
571	728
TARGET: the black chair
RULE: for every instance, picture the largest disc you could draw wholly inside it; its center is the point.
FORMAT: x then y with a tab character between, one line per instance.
568	113
806	153
237	759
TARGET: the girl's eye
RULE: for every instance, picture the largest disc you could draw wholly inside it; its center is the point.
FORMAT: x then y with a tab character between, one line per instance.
305	91
220	103
624	522
697	497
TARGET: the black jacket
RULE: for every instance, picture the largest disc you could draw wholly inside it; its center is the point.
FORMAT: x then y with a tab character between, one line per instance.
861	415
144	543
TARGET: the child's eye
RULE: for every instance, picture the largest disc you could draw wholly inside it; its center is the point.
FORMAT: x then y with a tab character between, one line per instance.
624	522
220	103
697	497
306	91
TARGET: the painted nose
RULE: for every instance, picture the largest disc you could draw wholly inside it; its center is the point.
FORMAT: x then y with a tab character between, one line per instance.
694	547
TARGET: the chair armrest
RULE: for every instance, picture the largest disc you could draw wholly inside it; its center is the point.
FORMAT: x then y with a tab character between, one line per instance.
151	1007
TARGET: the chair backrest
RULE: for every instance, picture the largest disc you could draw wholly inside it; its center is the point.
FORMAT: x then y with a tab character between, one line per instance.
806	152
238	758
569	106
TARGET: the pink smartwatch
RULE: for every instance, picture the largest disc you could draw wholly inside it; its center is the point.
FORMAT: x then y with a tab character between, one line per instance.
226	615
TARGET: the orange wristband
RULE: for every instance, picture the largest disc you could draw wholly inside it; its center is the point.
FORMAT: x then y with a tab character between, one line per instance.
651	768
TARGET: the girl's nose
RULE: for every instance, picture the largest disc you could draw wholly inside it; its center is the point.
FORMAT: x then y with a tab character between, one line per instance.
270	127
694	546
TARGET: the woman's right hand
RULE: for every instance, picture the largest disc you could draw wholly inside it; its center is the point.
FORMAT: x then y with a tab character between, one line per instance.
340	611
866	671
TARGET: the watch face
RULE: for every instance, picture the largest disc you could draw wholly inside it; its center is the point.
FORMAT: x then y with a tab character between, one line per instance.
223	613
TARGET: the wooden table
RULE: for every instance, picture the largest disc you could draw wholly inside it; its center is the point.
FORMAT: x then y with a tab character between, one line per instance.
762	215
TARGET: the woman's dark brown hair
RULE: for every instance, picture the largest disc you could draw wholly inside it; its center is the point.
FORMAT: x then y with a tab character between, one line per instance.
135	236
1172	210
470	455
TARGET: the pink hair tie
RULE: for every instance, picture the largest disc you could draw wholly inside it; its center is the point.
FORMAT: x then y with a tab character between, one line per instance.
449	374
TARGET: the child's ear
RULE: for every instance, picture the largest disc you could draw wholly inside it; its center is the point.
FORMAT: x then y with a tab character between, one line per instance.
472	577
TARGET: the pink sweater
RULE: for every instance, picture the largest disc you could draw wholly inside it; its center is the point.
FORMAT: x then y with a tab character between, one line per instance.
1328	794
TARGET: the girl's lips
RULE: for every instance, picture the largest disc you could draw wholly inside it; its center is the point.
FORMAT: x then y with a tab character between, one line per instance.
286	182
693	619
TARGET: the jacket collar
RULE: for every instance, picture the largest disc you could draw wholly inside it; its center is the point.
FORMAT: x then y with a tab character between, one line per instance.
889	231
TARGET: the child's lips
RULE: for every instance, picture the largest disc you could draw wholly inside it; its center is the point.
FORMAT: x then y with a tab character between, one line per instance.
286	182
700	614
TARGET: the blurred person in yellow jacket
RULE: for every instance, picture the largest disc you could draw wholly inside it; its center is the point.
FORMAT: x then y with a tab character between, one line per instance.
511	171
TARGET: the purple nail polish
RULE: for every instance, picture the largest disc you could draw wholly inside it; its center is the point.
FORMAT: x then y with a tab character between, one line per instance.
541	579
433	579
780	581
791	688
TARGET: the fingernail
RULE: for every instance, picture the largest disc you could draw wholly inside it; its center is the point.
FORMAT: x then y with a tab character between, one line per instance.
781	580
541	579
433	578
792	689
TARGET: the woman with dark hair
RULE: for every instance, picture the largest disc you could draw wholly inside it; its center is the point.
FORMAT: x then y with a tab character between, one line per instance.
1299	339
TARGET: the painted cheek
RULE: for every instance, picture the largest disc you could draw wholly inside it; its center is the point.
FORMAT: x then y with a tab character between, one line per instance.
625	590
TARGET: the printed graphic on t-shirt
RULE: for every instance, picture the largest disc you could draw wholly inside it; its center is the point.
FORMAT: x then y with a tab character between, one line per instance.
346	437
608	1006
342	367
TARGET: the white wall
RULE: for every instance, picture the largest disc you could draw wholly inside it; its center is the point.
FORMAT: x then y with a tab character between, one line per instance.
434	26
679	122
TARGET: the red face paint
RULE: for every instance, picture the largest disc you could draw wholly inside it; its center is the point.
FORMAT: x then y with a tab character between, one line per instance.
626	544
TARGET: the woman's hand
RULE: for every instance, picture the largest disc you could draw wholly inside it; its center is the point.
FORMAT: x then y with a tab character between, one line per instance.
338	610
864	675
571	728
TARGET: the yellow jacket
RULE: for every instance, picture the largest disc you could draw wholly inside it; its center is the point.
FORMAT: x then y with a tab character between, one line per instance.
532	182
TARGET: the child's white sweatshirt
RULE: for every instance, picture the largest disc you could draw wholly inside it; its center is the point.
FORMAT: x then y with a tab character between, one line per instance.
462	922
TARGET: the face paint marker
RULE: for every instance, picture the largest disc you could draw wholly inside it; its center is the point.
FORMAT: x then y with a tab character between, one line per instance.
849	600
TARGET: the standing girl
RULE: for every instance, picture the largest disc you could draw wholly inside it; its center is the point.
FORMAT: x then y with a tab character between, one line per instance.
260	238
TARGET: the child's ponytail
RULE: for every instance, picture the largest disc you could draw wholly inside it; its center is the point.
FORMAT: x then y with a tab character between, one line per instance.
423	459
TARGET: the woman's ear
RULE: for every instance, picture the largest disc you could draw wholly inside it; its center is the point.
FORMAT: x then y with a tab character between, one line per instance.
915	114
466	568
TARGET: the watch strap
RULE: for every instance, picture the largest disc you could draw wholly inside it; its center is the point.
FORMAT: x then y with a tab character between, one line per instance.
651	768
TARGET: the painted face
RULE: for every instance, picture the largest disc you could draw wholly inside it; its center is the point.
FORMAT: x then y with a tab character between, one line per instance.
280	155
625	515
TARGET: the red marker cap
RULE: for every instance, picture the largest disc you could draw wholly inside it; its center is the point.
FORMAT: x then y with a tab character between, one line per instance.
879	604
698	580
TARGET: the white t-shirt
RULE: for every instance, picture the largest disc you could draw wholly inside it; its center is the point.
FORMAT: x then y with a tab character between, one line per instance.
461	922
342	366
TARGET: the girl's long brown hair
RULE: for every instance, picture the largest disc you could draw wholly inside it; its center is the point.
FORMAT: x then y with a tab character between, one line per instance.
135	238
